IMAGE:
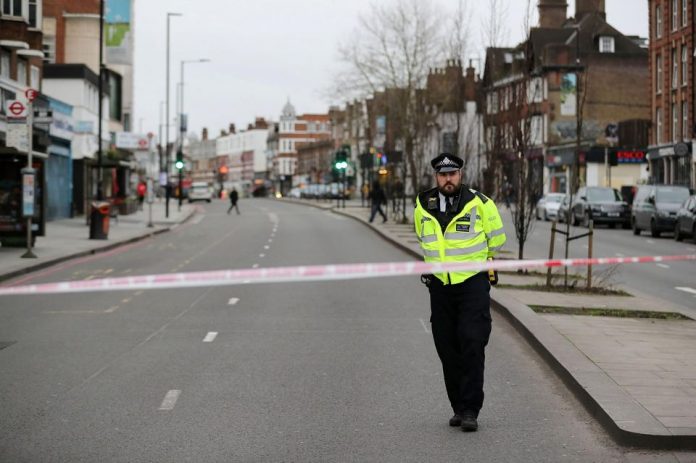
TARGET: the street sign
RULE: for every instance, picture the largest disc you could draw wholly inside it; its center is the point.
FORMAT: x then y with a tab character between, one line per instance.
43	116
17	137
30	94
15	109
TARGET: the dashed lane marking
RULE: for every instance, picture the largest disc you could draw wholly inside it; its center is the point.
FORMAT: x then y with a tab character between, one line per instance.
650	241
255	266
111	309
233	301
262	255
210	337
125	301
170	400
686	289
663	265
618	254
138	293
267	247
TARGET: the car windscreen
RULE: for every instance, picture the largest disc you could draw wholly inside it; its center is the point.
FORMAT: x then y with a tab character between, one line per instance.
554	198
672	195
603	194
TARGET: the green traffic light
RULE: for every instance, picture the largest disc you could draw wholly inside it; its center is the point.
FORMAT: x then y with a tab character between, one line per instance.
179	165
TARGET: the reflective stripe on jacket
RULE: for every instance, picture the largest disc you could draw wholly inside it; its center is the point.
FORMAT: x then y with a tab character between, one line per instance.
473	235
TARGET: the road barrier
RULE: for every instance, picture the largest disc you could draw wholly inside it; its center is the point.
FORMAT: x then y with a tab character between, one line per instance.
312	273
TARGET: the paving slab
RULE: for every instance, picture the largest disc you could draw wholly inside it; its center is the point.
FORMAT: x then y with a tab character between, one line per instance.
69	238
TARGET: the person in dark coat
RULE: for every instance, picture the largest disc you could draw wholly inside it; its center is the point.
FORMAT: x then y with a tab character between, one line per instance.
234	197
378	198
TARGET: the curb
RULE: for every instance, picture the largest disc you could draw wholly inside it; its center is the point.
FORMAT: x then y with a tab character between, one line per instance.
624	419
105	248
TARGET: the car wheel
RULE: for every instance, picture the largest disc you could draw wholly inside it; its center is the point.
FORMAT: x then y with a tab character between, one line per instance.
626	225
677	232
546	215
536	216
653	229
575	219
693	234
636	230
612	225
207	200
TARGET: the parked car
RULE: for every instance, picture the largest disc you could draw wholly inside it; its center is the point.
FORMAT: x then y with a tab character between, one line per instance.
655	208
294	193
200	191
686	220
602	205
548	205
564	209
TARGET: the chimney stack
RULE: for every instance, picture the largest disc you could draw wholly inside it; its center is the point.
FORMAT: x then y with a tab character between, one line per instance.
585	7
232	130
204	134
552	13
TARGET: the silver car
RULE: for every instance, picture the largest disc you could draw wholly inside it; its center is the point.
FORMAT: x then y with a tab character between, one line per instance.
547	207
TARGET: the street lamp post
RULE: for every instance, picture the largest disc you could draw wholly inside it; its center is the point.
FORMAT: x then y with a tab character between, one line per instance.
183	122
166	129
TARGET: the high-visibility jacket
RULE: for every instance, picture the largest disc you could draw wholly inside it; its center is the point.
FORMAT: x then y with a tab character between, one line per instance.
474	234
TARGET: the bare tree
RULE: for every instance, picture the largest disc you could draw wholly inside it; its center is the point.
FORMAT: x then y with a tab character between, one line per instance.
493	32
394	47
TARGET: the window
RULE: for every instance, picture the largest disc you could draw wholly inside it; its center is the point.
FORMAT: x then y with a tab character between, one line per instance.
12	8
606	44
658	126
685	65
22	72
35	14
4	64
34	77
658	21
49	48
658	74
675	123
675	69
685	12
675	14
685	120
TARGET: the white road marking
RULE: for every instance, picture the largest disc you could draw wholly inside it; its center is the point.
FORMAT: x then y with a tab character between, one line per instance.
262	255
618	254
170	400
686	289
255	266
233	301
425	327
650	241
270	240
663	265
198	220
138	293
125	301
210	337
267	247
111	309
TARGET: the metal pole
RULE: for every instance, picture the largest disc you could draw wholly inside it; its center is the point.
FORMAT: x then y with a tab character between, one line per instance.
166	129
589	254
30	147
100	192
181	135
607	180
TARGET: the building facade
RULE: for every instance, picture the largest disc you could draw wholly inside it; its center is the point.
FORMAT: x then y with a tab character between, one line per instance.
672	157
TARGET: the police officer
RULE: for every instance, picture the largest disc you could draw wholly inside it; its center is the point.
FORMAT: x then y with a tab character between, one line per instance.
458	224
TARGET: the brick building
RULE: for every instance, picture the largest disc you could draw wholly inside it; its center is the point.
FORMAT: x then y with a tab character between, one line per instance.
570	68
293	132
672	92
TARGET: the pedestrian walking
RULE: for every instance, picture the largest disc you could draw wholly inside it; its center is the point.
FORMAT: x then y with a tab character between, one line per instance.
234	198
378	198
458	224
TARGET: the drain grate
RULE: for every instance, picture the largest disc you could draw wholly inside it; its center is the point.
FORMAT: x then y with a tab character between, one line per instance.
6	344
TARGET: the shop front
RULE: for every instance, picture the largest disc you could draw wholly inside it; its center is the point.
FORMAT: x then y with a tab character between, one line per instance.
672	165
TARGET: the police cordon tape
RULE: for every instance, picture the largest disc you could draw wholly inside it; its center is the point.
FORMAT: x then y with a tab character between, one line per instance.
312	273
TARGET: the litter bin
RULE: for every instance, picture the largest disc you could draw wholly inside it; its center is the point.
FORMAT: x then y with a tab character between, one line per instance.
99	221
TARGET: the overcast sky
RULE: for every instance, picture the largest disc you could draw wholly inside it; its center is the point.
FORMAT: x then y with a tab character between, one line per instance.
263	52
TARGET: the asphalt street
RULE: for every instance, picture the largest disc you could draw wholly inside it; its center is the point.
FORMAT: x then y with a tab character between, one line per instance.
342	371
674	282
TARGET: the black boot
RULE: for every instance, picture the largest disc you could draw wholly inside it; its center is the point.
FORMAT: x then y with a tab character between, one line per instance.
468	422
456	420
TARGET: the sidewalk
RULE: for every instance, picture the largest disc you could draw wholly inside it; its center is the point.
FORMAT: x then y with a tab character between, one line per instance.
69	238
636	376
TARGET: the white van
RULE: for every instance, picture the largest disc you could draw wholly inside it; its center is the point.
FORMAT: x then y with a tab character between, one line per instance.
200	191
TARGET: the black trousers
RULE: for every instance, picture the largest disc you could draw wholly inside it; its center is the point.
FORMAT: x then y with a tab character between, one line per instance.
461	323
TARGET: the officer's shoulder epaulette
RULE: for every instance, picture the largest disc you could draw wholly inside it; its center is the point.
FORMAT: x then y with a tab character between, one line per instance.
423	195
484	199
